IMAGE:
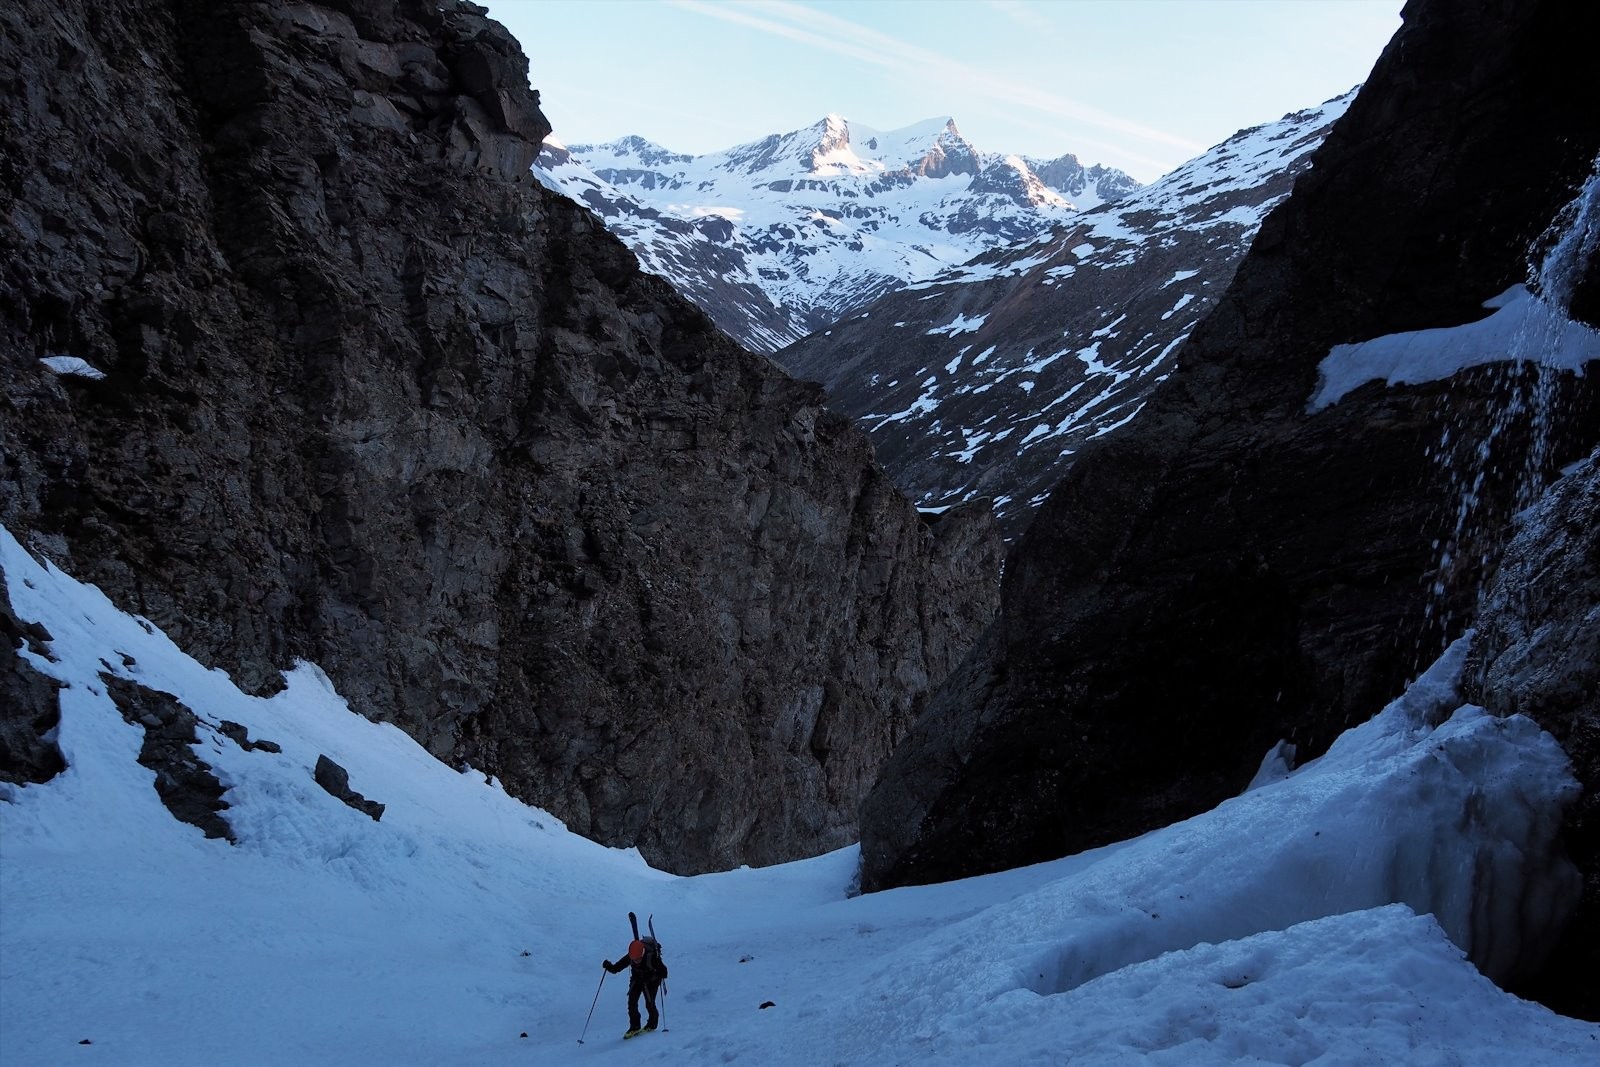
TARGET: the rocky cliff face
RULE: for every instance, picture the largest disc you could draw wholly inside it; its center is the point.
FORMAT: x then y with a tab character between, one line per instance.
29	712
299	363
1536	652
1236	567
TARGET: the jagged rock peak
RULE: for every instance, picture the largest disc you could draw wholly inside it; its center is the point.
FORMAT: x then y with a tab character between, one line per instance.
1011	177
933	148
927	148
1068	176
833	135
835	145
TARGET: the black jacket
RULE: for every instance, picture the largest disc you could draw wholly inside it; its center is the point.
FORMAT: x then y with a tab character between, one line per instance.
643	972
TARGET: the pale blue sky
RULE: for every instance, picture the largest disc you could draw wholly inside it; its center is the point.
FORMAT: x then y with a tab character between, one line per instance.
1139	84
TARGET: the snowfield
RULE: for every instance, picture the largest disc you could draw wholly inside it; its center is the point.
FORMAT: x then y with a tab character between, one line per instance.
1322	916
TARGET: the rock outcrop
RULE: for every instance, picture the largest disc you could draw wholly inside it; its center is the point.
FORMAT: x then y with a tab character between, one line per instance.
338	381
185	783
336	781
29	713
1235	568
1073	180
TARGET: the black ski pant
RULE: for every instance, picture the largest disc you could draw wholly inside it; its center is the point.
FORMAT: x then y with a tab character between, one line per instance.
637	986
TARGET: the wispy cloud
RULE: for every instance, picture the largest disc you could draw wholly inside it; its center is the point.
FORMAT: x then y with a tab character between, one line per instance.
809	26
1023	14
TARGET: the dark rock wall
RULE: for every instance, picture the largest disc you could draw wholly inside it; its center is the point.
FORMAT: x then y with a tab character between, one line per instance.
1231	569
375	399
1536	651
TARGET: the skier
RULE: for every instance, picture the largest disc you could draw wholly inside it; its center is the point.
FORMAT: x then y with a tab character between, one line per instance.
649	972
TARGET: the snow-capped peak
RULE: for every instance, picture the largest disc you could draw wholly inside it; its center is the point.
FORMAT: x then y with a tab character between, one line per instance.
909	149
984	380
834	149
631	149
813	222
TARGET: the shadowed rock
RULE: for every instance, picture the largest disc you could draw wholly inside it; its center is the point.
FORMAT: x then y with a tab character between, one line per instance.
336	780
374	400
186	785
30	710
1536	652
1233	569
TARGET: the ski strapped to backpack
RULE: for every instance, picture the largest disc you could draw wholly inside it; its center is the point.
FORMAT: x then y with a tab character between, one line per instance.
654	965
650	945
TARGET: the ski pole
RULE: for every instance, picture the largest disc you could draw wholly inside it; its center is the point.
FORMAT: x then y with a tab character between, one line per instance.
592	1003
663	1007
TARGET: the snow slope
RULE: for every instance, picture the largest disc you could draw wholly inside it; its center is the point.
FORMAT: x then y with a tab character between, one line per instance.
779	237
1289	925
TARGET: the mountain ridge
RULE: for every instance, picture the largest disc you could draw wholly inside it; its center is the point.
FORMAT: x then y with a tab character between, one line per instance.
984	380
779	237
